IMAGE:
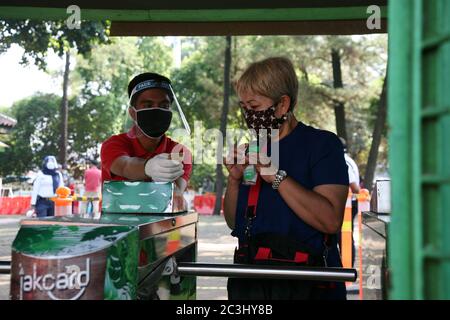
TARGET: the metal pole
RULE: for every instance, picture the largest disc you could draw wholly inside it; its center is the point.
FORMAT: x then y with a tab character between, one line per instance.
5	267
274	272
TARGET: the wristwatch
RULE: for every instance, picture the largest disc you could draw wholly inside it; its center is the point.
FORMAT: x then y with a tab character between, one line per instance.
279	176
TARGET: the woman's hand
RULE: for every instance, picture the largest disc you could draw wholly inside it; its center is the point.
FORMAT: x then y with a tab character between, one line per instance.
235	162
265	169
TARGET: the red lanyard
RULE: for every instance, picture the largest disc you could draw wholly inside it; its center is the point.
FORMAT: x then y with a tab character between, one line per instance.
253	196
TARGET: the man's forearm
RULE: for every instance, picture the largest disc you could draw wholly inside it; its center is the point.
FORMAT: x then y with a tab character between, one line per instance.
133	169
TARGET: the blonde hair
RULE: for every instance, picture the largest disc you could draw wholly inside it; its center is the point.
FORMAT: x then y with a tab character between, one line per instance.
272	78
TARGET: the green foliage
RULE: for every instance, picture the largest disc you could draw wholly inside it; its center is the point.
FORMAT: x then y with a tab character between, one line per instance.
36	37
35	135
199	83
156	56
36	132
5	111
98	106
201	172
91	123
108	70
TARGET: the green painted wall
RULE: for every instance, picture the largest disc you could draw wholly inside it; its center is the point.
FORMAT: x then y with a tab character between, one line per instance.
419	121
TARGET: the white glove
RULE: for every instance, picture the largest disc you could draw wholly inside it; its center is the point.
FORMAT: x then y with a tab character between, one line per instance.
161	169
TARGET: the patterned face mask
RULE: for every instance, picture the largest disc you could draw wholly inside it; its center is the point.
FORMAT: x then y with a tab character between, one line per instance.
265	119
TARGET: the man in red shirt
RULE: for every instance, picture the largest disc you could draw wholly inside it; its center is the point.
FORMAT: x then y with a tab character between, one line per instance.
92	187
145	152
92	178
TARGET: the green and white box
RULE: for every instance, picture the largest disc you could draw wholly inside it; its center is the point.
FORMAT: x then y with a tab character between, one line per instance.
141	197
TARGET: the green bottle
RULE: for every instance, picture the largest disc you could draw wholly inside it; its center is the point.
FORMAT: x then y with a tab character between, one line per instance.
250	174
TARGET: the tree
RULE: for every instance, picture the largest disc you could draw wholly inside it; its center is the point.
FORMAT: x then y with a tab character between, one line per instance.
108	69
198	83
156	56
363	64
37	37
93	122
223	124
199	88
99	83
34	136
339	106
379	127
36	133
64	111
363	61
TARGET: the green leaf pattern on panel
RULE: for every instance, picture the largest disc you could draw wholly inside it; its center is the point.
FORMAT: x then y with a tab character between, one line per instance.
121	269
57	240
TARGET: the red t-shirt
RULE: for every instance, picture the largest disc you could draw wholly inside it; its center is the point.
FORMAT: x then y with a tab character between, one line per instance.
92	178
124	145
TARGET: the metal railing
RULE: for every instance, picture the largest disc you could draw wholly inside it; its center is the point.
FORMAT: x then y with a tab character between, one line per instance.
262	271
251	271
5	267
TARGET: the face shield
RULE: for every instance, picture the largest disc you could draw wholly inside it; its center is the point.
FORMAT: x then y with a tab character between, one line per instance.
153	122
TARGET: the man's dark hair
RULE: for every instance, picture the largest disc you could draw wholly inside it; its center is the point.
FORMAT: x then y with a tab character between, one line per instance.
146	77
92	162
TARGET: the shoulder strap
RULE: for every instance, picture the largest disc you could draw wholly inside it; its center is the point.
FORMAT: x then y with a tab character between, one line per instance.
253	196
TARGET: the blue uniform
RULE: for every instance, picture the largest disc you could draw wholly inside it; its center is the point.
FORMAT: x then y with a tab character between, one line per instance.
311	157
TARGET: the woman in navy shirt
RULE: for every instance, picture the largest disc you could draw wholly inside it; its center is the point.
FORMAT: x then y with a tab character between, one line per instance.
303	197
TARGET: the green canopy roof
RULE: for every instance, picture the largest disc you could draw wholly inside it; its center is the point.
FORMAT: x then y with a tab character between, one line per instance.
200	17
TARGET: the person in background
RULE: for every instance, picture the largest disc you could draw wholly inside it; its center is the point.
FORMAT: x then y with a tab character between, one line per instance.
44	187
354	184
92	186
353	171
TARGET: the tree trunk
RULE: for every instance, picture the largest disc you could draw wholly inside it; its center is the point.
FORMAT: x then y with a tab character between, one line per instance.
223	126
64	114
378	129
339	110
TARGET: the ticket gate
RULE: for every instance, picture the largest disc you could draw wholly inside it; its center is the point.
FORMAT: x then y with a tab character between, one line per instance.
126	253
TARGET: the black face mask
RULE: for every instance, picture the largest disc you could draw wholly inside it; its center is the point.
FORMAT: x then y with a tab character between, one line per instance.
153	122
265	119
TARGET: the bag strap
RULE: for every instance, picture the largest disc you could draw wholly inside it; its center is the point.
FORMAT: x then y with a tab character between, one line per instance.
253	196
252	203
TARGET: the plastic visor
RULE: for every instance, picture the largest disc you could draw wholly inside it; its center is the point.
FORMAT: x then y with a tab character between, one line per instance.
178	118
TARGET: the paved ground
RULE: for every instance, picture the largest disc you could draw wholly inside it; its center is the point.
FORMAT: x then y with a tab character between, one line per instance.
215	245
8	229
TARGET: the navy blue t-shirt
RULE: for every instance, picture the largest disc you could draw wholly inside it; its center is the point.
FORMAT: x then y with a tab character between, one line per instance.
312	158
